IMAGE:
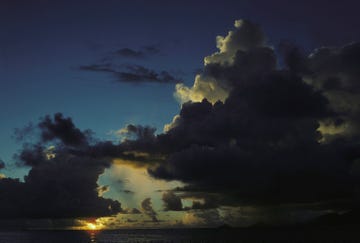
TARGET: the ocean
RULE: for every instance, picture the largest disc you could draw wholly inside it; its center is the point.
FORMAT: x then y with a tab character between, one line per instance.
183	236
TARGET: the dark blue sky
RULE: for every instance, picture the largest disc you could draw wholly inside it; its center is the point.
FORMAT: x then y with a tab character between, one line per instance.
43	44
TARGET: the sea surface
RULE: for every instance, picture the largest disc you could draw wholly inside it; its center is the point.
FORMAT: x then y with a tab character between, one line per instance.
184	236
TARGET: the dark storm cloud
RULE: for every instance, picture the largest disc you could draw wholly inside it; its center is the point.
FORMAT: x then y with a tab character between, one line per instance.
264	157
62	181
63	129
147	208
133	73
293	57
334	71
138	132
261	145
62	190
141	138
56	128
146	51
172	202
31	155
331	68
285	176
50	129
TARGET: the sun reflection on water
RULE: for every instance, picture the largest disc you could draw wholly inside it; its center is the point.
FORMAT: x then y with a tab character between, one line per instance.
93	236
93	228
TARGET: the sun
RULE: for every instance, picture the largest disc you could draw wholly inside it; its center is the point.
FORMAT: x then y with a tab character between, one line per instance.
91	226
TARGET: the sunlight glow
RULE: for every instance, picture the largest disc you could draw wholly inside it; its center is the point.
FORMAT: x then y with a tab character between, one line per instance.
91	226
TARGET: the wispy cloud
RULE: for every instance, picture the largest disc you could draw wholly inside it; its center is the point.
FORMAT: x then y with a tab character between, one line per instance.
143	52
133	73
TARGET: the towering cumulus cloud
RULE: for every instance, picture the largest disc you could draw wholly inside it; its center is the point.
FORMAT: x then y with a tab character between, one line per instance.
212	83
257	134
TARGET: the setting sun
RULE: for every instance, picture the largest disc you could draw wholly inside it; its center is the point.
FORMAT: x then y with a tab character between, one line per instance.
92	226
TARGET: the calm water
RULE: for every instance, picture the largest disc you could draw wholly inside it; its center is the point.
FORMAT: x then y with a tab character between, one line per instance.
182	236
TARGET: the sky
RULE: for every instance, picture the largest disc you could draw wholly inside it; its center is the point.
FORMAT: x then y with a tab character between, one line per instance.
178	113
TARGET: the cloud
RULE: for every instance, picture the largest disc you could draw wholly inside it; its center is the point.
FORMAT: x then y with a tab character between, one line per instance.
147	208
254	133
63	185
102	189
131	211
209	217
127	52
203	87
63	129
133	73
333	70
54	129
142	53
243	48
246	36
62	188
104	67
137	73
172	202
137	132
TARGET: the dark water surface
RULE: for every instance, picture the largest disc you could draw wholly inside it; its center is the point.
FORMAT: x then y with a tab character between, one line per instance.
184	236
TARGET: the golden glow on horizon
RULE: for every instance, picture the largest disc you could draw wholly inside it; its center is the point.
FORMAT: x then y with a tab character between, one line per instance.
91	226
